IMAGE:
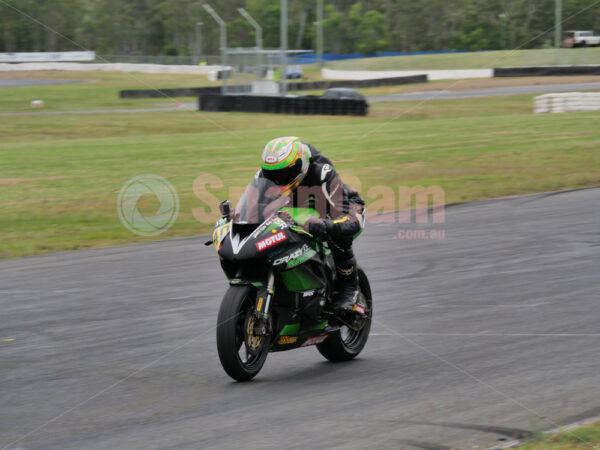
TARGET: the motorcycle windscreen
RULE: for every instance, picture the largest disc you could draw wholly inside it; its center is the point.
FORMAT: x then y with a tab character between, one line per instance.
261	199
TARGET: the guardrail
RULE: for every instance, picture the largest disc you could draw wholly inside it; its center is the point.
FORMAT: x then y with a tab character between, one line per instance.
282	105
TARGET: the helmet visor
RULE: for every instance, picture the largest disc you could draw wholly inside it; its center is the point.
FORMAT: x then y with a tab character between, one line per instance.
284	177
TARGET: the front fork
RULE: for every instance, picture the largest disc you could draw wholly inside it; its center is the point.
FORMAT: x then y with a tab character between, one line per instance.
261	308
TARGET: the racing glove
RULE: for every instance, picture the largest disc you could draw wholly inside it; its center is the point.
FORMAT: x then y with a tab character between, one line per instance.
317	227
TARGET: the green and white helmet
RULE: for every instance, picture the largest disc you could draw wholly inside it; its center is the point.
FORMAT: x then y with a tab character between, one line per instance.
285	161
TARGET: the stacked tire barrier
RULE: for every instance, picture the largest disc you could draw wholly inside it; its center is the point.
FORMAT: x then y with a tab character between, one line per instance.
546	71
282	105
305	86
566	101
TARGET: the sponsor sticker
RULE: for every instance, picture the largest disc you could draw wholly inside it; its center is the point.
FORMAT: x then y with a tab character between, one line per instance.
287	340
359	309
296	254
260	230
324	171
314	340
270	241
220	233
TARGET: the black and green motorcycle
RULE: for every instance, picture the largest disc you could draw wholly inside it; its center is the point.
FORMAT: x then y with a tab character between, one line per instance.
281	283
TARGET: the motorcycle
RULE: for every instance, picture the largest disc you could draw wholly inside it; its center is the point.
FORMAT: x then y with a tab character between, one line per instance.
281	284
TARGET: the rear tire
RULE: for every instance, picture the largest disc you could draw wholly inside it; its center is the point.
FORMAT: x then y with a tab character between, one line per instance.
339	347
242	354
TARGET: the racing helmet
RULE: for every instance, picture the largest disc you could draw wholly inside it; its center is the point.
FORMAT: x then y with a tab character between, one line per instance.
285	161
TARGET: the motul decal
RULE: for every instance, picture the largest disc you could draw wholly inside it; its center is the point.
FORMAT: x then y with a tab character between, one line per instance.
314	340
270	241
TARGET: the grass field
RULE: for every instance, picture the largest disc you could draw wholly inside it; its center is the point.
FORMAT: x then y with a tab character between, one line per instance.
474	60
60	174
587	437
101	92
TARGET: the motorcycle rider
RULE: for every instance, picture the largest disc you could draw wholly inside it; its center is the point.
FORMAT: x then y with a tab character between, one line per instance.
299	168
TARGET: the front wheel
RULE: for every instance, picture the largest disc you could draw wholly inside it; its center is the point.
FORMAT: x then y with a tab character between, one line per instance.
346	343
241	352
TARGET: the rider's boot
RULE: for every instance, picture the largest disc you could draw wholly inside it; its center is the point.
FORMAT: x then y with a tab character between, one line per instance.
346	297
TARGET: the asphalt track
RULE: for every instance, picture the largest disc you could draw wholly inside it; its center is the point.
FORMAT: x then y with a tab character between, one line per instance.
412	96
490	334
487	92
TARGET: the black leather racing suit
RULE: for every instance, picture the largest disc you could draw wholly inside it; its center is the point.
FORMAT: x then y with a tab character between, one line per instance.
340	206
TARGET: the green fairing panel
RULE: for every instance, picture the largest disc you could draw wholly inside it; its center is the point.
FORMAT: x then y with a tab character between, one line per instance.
291	329
300	279
318	326
301	215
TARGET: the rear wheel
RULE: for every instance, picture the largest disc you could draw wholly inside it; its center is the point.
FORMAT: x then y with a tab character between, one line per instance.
241	352
346	343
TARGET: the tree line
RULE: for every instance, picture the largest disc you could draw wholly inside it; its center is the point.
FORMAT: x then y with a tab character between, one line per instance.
169	27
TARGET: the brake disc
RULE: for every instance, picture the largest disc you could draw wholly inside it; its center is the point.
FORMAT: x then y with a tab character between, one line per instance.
253	341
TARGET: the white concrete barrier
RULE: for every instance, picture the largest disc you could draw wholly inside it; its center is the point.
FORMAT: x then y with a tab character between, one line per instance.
566	101
431	74
46	56
111	67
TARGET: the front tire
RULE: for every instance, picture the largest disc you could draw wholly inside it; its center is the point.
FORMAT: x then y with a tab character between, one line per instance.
345	344
242	354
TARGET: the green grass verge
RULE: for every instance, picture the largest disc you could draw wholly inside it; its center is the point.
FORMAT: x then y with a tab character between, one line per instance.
61	174
474	60
100	93
587	437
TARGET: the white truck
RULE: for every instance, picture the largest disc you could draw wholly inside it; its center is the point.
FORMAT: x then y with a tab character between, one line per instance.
578	38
